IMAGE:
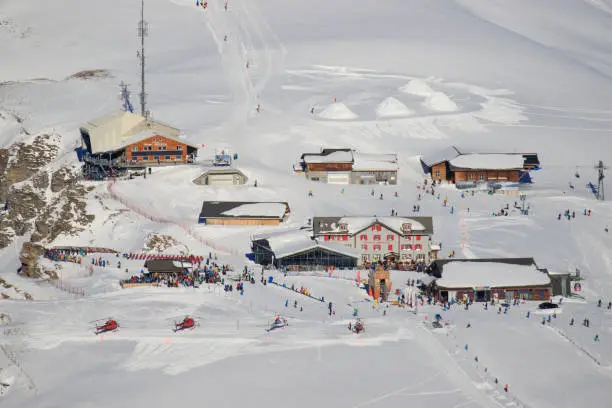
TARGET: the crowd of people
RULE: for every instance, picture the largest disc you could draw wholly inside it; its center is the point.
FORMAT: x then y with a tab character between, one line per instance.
65	255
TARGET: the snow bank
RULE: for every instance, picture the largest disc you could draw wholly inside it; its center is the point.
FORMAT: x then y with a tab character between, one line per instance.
391	107
417	87
440	102
338	111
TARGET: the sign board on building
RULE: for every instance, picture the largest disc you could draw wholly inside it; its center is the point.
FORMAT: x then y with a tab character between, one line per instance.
406	227
343	226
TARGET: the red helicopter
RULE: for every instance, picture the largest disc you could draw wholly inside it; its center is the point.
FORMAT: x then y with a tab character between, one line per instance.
108	326
187	323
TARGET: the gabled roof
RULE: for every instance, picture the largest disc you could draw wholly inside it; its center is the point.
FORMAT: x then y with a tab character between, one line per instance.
437	266
440	156
329	156
374	162
243	209
325	152
109	132
356	224
488	161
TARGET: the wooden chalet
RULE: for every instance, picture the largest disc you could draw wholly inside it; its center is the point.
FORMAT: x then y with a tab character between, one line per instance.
454	166
483	279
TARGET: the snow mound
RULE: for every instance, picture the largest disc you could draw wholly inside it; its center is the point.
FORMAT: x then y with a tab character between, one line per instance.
440	102
338	111
417	87
392	107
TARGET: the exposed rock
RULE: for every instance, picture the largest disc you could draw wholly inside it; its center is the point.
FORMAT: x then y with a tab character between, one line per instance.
91	74
29	259
41	180
31	207
160	243
62	178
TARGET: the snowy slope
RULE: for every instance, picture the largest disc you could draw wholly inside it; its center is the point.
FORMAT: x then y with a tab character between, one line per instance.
407	77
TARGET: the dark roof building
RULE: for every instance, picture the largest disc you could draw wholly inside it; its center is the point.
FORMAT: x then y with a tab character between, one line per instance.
243	213
168	265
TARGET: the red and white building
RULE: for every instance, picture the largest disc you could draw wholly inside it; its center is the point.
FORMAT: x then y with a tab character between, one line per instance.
401	240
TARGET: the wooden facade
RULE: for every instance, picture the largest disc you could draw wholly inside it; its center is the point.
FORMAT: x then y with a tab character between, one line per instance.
539	293
460	175
157	149
243	221
440	172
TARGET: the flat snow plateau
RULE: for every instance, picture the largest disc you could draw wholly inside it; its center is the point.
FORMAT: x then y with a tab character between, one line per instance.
483	75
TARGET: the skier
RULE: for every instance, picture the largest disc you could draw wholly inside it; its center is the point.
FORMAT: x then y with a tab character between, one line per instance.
572	321
596	338
609	305
312	109
258	108
330	308
599	303
225	38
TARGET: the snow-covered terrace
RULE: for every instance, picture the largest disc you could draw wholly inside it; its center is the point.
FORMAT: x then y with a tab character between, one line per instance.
465	274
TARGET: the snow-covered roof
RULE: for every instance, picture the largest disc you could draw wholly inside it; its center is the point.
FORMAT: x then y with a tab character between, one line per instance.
440	156
334	157
323	225
375	162
111	132
465	274
483	161
257	210
294	242
246	209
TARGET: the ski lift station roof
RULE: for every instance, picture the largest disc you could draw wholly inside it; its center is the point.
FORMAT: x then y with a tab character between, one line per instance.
119	129
488	161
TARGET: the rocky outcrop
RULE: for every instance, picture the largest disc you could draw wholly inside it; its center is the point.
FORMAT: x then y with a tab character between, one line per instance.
39	203
29	259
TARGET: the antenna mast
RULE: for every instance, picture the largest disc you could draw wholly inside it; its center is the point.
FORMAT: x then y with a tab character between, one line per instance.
600	185
143	31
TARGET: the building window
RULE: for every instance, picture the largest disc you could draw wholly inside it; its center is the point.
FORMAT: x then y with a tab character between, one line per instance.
364	247
156	157
481	176
376	237
377	247
363	237
437	173
167	157
345	238
179	147
326	238
408	238
378	228
390	237
390	247
470	177
418	247
418	237
135	148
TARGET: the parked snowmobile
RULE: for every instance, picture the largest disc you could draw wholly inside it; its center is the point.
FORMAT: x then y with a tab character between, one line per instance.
187	323
278	323
109	326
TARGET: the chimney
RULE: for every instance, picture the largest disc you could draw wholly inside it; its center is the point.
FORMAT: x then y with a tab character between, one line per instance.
148	118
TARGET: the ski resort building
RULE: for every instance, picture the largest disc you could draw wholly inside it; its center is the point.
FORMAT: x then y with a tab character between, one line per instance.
347	166
243	213
159	267
122	140
405	242
226	176
485	279
469	169
297	250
